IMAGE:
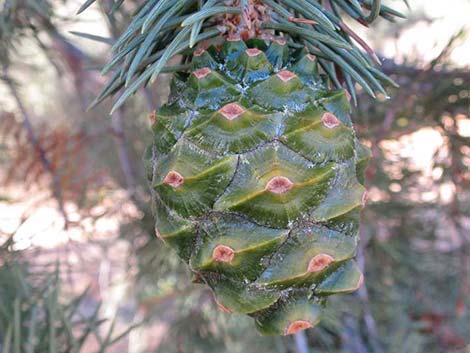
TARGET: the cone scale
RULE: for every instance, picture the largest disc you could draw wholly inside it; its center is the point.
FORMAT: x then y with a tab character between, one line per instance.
256	176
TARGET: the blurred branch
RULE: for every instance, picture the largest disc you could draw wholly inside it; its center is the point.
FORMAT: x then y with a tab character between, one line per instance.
447	50
123	154
363	295
390	67
75	61
301	342
351	337
152	102
28	126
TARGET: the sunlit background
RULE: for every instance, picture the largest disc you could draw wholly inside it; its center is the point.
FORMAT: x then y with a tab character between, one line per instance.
84	225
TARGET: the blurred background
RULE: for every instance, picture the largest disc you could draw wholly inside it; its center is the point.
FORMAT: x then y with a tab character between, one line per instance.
81	270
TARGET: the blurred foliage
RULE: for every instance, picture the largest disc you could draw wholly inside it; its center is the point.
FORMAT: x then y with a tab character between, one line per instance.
34	317
19	19
65	149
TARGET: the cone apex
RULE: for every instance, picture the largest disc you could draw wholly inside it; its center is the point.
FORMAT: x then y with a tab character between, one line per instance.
199	52
279	185
330	120
253	52
231	111
223	253
319	262
152	117
311	57
174	179
286	75
297	326
201	73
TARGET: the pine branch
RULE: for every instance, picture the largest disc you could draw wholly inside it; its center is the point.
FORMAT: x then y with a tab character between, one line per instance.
123	154
162	29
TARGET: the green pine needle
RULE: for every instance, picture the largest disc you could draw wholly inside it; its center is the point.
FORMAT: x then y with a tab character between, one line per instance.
162	29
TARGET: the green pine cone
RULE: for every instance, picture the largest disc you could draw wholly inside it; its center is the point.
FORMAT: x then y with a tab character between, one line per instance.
256	175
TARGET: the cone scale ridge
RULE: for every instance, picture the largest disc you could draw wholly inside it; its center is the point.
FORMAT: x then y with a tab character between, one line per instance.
286	75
